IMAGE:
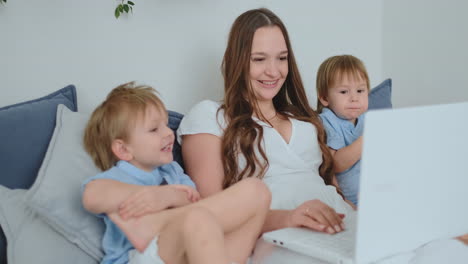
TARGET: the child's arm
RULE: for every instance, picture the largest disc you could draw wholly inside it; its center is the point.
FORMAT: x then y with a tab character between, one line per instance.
185	183
335	183
180	176
107	196
148	200
192	194
346	157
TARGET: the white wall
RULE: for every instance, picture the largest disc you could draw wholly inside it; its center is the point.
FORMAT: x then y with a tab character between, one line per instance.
175	46
425	47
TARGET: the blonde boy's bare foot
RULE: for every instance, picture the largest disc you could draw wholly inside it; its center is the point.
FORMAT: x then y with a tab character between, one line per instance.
139	231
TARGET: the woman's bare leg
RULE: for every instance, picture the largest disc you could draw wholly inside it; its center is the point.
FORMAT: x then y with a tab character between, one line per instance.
204	238
241	211
192	235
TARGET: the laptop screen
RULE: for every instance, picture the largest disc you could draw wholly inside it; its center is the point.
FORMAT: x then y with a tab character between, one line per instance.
414	179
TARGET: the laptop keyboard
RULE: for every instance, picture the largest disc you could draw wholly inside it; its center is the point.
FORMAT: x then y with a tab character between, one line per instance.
336	248
342	244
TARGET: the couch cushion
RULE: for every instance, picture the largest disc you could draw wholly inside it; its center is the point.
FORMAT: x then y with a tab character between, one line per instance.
31	240
174	122
56	195
380	97
25	132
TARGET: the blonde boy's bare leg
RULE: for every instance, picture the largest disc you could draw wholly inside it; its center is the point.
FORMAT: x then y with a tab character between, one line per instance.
241	211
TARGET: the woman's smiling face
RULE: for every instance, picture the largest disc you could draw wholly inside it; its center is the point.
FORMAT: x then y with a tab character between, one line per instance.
268	62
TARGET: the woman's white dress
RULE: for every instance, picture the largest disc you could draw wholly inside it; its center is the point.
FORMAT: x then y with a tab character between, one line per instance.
292	175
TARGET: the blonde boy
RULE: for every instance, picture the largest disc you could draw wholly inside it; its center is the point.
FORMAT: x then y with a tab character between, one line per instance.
149	206
342	91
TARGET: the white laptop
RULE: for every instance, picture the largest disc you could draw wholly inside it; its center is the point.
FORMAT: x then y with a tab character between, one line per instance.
413	189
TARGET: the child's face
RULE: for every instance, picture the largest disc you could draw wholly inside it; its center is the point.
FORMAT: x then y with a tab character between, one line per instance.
268	62
348	98
151	140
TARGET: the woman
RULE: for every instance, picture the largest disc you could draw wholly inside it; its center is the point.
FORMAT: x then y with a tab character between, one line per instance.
264	128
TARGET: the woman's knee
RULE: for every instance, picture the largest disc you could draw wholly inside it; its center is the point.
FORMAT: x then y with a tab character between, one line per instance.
258	190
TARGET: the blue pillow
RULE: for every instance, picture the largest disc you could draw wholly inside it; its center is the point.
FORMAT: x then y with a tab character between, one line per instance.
174	122
380	97
25	132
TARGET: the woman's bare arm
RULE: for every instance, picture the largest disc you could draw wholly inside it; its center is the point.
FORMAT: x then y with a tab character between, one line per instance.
203	163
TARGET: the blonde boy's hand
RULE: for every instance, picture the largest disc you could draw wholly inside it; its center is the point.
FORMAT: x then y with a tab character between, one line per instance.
192	194
148	199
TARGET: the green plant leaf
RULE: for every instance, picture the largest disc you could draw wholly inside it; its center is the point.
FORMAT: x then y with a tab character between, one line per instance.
121	9
117	12
125	7
129	2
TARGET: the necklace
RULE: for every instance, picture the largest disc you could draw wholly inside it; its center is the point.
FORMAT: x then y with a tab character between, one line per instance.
273	117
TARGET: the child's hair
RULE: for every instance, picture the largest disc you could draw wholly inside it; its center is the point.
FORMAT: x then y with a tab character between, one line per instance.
113	119
333	69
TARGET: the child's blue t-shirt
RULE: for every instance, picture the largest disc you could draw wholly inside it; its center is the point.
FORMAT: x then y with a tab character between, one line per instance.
115	244
341	133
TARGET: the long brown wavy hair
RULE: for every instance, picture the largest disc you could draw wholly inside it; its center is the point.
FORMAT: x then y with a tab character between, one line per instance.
243	135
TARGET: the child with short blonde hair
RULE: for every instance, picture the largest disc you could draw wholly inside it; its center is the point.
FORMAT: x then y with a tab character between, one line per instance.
150	208
342	91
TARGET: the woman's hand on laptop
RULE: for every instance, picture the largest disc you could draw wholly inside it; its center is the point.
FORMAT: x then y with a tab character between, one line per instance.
316	215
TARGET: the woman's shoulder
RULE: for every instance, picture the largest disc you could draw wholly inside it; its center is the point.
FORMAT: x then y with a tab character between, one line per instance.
203	110
204	107
204	117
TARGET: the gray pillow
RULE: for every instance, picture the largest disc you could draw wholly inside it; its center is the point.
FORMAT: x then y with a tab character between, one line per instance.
55	195
22	152
30	240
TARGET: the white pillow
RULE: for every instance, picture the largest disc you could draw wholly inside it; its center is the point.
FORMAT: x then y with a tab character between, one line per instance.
29	239
56	196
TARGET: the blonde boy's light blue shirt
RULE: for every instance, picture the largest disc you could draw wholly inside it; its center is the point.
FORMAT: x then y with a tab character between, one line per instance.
115	244
341	133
